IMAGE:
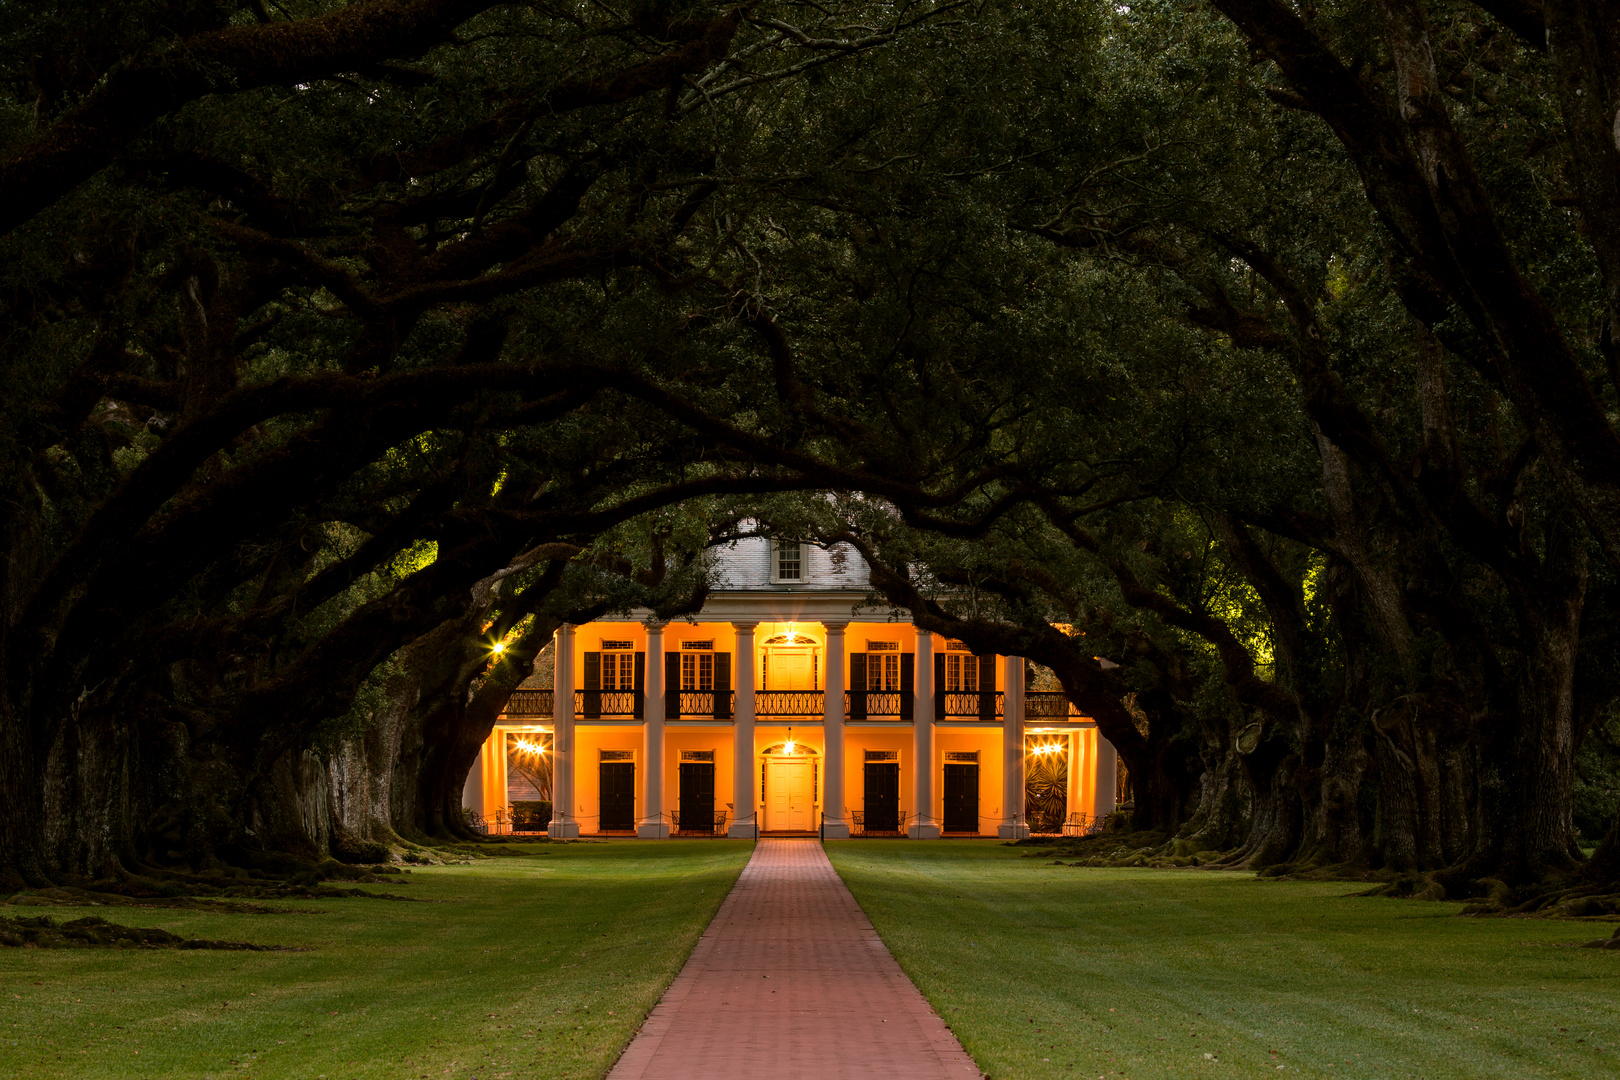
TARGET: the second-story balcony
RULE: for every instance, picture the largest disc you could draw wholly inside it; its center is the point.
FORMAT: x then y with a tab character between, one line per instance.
878	705
1048	705
698	704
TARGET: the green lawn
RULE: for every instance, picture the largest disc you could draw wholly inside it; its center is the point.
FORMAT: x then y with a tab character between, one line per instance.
523	967
1056	971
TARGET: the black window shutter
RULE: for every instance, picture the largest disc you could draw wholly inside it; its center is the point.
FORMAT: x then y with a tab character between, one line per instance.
722	686
987	687
908	685
640	702
857	686
672	685
591	682
939	686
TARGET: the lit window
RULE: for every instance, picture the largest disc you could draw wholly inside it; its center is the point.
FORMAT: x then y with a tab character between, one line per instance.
618	670
697	671
883	672
961	674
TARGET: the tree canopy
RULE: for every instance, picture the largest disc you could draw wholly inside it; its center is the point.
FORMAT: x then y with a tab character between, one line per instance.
1265	351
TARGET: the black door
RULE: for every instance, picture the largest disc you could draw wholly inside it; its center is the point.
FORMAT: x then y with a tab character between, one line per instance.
882	796
962	798
697	796
618	795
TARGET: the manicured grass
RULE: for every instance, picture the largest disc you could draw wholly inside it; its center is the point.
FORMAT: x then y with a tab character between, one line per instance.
1056	971
530	967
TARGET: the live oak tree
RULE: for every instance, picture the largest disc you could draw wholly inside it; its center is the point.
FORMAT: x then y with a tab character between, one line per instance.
334	335
1435	681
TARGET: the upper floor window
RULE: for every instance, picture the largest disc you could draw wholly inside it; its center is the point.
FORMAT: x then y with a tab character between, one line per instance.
882	672
618	668
961	674
787	562
697	671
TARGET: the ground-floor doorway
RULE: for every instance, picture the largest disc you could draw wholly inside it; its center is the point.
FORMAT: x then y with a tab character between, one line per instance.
1046	783
961	793
789	794
618	794
696	797
882	797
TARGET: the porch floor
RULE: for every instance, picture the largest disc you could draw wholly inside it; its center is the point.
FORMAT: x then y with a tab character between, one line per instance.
790	980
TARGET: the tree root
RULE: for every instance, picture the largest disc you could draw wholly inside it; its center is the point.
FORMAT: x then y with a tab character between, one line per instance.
1484	896
1605	943
90	932
60	897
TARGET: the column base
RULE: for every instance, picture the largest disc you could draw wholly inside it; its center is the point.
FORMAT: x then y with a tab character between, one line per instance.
652	830
743	830
563	830
1012	832
923	831
835	830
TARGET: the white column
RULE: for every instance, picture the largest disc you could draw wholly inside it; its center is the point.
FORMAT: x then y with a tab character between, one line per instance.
472	792
836	826
1013	826
745	783
652	825
1104	778
564	825
925	826
1073	806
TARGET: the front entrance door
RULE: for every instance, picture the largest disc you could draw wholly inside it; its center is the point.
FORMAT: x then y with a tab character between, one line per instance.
962	798
697	796
882	796
787	795
618	796
790	669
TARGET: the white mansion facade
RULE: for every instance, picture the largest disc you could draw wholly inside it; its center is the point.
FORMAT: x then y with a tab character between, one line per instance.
786	706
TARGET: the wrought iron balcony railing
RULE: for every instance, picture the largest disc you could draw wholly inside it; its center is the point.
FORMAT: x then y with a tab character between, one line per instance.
594	704
1048	705
789	703
709	704
529	703
978	704
878	704
859	704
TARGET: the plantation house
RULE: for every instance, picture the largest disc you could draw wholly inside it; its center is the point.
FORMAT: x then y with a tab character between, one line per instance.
777	710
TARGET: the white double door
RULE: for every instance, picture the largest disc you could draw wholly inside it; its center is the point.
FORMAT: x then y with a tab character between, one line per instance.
789	803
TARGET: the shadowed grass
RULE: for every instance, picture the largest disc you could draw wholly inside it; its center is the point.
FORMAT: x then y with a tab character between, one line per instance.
1055	971
540	966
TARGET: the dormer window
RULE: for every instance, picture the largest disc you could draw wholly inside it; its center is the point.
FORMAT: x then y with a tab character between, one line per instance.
787	562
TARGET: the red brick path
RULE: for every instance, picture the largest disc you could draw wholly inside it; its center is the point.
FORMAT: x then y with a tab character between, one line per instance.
790	981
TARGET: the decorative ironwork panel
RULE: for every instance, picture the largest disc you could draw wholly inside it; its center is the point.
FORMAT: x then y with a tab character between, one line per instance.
1043	704
529	703
880	705
614	703
962	704
788	702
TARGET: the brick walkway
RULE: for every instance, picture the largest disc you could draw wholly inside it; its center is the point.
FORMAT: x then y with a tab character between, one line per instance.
790	981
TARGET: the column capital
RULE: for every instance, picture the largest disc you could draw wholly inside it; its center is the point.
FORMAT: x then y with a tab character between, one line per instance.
922	632
744	627
834	627
655	626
